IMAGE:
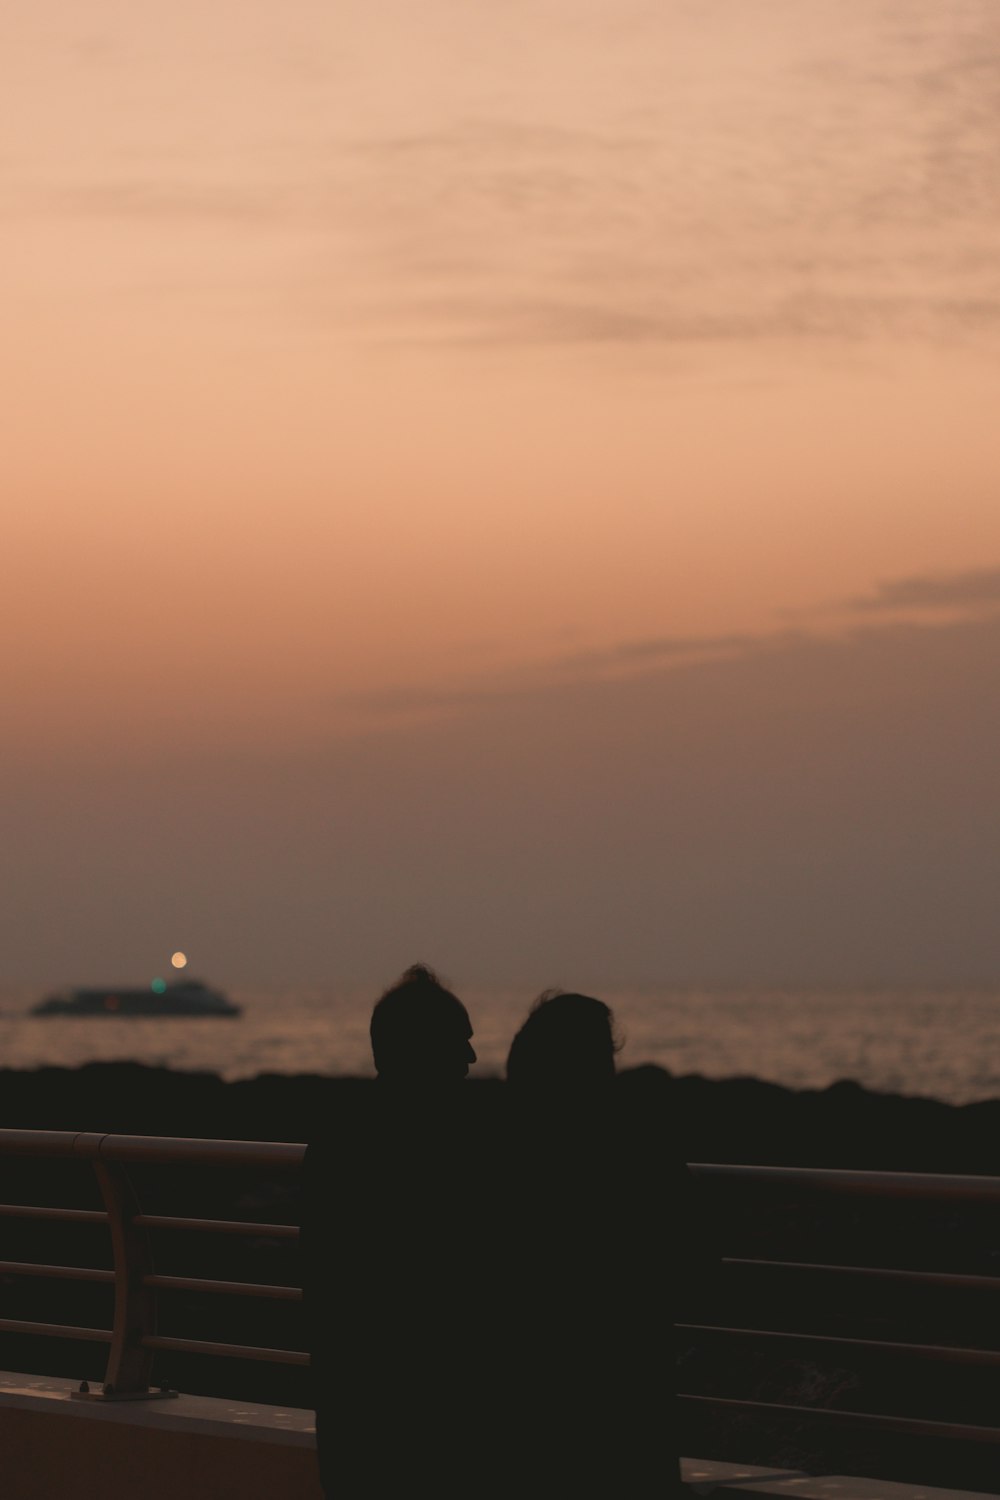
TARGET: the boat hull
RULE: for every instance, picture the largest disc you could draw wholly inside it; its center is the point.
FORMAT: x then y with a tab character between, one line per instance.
186	1000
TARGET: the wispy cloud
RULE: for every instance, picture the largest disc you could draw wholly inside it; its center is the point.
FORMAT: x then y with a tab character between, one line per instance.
970	596
515	233
974	589
645	315
621	661
409	701
669	204
187	201
656	649
474	138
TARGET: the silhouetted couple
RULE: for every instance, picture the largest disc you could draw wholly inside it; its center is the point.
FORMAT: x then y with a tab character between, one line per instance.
492	1274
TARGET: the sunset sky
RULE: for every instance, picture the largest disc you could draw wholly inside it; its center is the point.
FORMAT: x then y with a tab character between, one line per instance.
513	486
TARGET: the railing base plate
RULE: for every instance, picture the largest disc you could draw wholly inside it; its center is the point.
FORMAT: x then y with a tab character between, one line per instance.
122	1395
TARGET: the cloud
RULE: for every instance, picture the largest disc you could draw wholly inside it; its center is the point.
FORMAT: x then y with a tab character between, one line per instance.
514	321
576	237
628	657
656	657
658	649
633	307
407	700
504	138
511	232
189	202
973	589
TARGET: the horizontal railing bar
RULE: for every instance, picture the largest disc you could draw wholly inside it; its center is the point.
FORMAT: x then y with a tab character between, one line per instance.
943	1353
289	1154
930	1186
946	1280
282	1155
59	1273
38	1142
57	1330
209	1153
69	1215
906	1426
230	1351
230	1288
218	1226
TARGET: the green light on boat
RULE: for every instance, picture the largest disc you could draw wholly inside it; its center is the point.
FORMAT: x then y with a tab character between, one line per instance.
158	986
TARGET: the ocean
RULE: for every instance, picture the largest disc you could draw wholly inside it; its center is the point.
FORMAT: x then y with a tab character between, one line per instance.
943	1044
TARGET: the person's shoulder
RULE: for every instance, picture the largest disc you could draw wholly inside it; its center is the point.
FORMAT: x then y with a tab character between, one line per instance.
644	1101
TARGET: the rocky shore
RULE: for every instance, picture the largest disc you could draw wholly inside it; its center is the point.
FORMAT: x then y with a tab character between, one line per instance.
732	1120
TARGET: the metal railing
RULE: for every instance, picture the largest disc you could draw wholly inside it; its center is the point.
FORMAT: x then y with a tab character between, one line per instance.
936	1188
134	1340
133	1336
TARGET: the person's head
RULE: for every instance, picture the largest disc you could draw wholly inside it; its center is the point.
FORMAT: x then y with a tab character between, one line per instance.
567	1043
421	1032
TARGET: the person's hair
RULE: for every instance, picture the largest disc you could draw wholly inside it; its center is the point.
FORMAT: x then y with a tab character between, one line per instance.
412	1020
566	1040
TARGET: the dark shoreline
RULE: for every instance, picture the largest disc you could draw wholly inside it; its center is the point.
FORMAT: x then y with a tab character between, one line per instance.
735	1120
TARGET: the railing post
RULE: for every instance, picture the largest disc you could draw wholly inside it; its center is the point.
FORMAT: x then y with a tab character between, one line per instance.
130	1363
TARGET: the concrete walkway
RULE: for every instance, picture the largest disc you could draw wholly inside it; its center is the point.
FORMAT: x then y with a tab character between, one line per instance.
205	1448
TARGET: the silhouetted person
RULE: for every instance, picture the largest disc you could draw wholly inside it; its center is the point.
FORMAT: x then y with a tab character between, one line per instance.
565	1050
421	1034
594	1205
390	1241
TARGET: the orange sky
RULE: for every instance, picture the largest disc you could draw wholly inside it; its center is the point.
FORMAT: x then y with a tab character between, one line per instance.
362	364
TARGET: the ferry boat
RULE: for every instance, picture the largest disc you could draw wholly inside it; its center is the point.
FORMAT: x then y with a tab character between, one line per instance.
184	997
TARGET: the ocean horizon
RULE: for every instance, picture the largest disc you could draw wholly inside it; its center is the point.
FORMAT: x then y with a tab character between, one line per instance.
942	1044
